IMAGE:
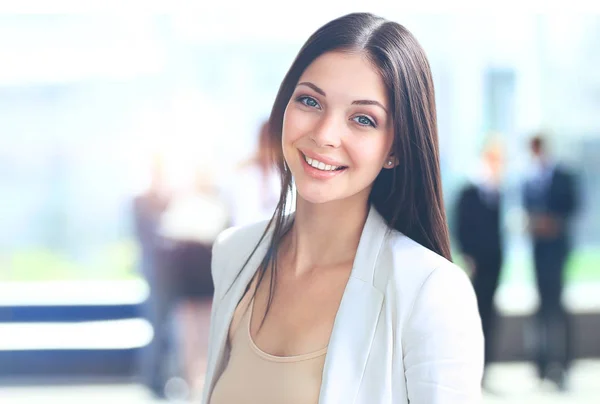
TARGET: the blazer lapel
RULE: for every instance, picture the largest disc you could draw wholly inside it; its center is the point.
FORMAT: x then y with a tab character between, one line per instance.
356	320
226	309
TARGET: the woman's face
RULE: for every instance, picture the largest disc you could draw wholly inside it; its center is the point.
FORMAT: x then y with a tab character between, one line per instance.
337	131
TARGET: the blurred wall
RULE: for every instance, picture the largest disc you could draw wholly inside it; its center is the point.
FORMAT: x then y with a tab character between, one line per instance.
86	100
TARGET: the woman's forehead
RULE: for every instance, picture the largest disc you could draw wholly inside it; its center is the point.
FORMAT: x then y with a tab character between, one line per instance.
346	75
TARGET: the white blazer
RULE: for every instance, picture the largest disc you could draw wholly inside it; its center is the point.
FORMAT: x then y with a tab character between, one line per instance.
407	329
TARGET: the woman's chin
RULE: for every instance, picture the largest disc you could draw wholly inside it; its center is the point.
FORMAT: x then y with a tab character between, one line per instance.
315	196
324	195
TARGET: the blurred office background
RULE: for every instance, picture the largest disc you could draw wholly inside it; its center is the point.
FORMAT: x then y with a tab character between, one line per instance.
88	100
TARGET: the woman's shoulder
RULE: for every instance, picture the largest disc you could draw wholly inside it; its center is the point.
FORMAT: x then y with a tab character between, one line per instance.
232	247
431	294
239	235
412	267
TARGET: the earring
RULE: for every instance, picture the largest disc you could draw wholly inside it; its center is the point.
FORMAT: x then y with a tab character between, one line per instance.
390	163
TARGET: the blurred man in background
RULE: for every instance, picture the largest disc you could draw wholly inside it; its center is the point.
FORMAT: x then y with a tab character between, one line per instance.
550	200
479	234
148	209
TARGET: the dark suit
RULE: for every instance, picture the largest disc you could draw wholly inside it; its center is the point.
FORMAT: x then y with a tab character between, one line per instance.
552	194
479	237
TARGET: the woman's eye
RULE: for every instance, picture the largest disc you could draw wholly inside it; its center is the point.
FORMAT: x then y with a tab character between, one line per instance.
364	121
309	102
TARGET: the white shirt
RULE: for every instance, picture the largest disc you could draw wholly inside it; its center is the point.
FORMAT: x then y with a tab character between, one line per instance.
407	329
194	217
250	198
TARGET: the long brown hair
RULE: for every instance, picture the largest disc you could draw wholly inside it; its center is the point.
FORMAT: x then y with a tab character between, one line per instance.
409	197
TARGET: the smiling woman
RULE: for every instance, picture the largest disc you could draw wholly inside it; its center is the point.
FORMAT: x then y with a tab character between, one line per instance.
337	118
351	299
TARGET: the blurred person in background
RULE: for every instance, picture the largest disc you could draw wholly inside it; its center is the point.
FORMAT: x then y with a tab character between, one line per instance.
148	209
253	189
550	200
351	299
190	225
479	235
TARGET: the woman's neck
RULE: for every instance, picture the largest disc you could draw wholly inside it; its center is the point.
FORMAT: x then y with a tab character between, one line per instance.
324	234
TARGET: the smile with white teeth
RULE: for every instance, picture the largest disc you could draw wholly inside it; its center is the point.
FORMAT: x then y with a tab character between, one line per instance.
319	165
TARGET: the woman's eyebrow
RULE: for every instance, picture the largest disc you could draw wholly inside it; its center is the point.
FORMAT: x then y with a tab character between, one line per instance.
369	102
314	87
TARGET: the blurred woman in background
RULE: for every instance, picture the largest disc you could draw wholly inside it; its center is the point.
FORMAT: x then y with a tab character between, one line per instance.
189	227
253	189
148	209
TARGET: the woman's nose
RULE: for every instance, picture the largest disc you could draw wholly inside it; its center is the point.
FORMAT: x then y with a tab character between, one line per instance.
328	133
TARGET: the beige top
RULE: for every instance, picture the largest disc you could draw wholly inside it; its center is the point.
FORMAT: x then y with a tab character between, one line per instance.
255	377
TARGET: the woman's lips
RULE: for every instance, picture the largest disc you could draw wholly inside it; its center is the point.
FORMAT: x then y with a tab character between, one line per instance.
320	174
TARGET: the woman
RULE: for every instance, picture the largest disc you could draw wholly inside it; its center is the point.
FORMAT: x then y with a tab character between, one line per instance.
189	226
253	190
353	298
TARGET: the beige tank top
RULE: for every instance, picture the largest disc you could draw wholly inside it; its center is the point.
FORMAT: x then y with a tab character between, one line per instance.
255	377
